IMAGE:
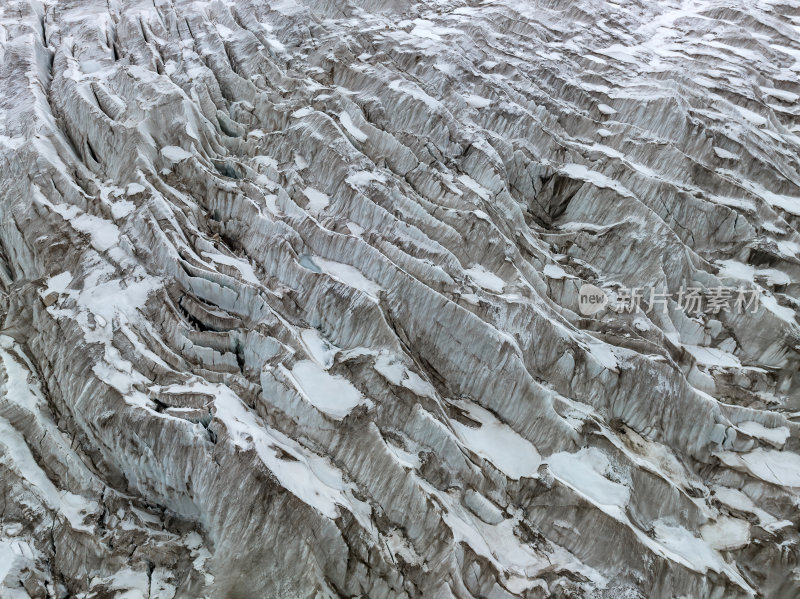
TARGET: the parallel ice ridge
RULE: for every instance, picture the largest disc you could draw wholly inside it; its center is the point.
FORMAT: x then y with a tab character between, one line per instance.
290	297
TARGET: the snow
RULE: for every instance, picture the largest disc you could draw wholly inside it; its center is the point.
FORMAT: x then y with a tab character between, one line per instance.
320	350
331	394
726	533
774	276
586	471
789	248
317	201
175	153
113	302
349	275
58	283
498	443
405	458
711	356
746	272
774	436
783	95
411	89
244	267
754	118
350	127
724	154
122	208
473	185
603	354
275	44
790	204
554	271
736	270
579	171
302	112
695	552
484	278
73	507
739	501
783	312
393	370
777	467
103	234
606	109
309	478
477	101
355	229
497	543
364	178
427	29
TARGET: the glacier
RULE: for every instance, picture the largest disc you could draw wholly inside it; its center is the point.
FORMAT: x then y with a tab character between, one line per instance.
291	299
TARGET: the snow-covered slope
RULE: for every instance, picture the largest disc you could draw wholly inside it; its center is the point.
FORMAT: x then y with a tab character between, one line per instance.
290	298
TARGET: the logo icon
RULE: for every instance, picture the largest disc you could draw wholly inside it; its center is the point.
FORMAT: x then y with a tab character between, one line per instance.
591	299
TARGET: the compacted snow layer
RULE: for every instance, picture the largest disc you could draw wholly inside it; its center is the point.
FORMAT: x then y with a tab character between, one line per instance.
290	298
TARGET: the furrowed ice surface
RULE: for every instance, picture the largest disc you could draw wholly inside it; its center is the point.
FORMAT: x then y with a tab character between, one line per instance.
290	298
